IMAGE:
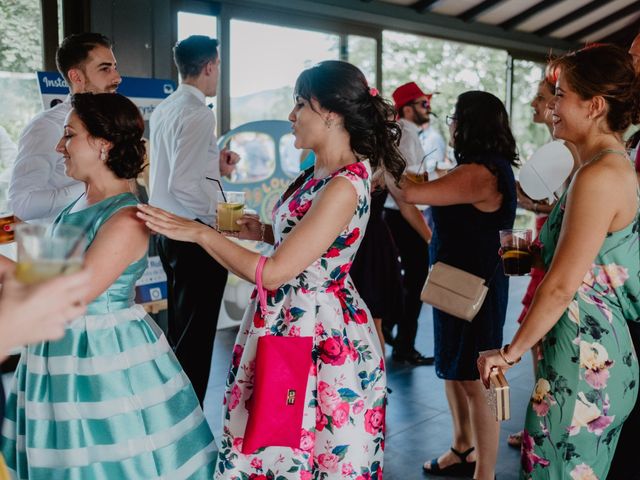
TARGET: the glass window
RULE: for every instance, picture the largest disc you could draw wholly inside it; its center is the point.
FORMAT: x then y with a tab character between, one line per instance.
264	71
20	58
442	66
529	136
362	53
258	157
196	24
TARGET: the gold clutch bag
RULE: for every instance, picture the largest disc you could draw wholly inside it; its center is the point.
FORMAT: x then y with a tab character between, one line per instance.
498	395
454	291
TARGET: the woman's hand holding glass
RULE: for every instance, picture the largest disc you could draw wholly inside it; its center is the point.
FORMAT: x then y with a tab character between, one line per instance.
170	225
251	228
33	313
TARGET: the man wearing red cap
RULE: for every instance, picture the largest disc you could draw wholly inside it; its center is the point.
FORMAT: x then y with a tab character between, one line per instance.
412	105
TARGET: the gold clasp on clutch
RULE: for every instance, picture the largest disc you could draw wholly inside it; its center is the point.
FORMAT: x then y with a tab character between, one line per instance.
291	397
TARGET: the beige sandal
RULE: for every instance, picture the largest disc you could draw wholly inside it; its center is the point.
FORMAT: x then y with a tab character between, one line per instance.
515	439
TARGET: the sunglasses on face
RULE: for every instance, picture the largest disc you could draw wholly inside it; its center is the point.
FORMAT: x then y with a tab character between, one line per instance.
424	103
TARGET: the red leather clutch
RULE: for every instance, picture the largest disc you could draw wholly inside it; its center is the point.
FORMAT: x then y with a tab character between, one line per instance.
282	371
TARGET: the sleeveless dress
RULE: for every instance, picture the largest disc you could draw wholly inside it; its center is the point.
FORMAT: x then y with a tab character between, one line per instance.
587	380
343	422
109	400
466	238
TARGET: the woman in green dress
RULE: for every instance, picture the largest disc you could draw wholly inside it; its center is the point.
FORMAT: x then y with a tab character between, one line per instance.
109	399
587	380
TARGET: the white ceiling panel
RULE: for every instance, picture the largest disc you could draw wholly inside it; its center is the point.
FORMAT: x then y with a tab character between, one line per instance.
505	10
550	14
591	18
453	7
612	28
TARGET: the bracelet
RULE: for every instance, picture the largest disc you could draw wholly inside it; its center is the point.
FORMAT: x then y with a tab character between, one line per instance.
503	353
263	227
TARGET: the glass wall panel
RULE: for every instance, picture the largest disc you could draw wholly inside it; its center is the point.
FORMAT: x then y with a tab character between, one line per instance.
362	53
264	71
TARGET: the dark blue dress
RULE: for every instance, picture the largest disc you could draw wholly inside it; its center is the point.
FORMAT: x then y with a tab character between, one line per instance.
467	238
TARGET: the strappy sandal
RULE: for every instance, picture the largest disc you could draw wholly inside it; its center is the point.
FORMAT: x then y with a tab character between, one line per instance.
461	469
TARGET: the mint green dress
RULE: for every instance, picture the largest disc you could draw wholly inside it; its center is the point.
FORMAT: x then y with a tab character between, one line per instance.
109	400
587	380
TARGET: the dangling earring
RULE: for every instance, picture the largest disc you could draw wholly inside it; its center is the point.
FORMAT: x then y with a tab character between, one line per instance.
328	123
103	155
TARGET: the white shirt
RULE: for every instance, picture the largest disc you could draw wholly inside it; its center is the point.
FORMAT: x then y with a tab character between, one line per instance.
183	153
412	151
39	187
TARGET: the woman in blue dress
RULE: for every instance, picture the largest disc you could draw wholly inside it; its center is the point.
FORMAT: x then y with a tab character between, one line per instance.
109	400
470	205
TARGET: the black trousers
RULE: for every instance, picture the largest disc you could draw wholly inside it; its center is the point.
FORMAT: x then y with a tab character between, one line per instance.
625	461
414	254
195	285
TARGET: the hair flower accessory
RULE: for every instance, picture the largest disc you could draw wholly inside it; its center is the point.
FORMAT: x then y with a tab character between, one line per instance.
373	91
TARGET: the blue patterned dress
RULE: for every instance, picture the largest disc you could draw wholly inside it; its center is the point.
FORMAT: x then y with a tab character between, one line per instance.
109	400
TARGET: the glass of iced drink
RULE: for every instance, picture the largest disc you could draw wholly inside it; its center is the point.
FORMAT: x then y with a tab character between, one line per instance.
514	246
230	209
46	251
7	220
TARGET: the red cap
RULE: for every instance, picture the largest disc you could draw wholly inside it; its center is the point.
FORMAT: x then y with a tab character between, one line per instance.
407	93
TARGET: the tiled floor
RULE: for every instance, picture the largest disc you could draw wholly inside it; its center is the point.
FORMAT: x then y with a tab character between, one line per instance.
418	422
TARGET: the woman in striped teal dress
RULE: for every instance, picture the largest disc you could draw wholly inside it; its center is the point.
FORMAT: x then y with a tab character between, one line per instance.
109	400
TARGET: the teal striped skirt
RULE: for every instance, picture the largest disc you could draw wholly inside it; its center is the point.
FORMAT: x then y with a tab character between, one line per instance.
107	401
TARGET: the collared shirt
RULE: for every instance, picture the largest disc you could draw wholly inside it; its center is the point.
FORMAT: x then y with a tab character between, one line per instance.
39	187
412	151
184	153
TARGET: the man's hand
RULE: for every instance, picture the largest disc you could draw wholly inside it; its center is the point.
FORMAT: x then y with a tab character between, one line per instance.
228	160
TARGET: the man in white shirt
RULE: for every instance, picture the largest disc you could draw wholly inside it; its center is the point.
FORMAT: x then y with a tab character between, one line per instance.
412	105
185	164
39	187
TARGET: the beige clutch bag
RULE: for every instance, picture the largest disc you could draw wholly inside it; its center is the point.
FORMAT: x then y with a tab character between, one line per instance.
498	395
454	291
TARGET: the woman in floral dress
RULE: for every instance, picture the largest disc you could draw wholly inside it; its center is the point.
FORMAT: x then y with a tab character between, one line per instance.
587	380
317	227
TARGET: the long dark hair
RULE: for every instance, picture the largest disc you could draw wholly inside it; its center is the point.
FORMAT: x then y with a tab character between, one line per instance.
368	118
114	118
482	127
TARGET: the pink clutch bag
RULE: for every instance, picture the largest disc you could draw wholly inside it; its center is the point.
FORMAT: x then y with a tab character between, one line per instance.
276	406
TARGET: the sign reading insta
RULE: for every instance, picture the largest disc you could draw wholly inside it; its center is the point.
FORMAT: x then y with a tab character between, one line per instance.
146	93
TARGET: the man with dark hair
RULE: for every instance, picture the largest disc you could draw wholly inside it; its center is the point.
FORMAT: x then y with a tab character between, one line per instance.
186	167
39	187
412	105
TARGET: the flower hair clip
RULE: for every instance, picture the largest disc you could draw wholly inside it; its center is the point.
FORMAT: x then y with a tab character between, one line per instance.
373	91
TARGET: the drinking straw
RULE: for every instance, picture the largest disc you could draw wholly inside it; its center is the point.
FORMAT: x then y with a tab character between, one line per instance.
219	185
424	158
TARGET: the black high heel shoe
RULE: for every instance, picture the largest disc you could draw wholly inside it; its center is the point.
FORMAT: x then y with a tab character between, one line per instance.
461	469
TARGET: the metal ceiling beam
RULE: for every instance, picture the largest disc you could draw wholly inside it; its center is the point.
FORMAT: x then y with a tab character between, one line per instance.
623	37
570	17
527	14
422	6
477	10
390	16
608	20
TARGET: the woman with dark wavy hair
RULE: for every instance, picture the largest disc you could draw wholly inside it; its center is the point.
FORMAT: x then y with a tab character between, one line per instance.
318	225
109	399
587	378
470	205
